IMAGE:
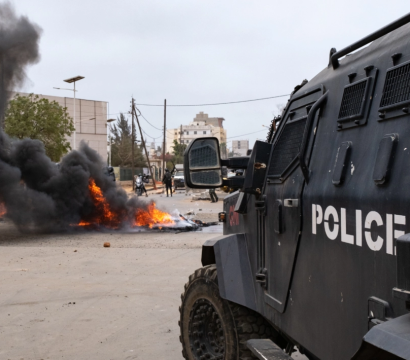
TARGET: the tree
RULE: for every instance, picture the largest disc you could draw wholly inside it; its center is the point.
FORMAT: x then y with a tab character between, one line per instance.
41	119
178	151
121	149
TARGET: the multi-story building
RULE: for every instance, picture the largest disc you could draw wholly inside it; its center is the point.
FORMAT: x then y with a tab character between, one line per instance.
201	126
240	147
91	121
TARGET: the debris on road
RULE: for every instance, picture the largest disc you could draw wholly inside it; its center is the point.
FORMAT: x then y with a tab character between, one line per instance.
107	244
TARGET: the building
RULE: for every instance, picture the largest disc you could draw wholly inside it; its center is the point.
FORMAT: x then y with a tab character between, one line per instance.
91	121
201	126
240	147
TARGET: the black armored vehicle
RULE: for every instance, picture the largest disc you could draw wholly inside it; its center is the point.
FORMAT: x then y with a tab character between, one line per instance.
315	255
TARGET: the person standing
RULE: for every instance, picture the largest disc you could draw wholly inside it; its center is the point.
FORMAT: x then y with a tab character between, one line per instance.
213	196
167	181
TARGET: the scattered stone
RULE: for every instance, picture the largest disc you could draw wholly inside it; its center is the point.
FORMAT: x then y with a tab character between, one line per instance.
107	244
75	250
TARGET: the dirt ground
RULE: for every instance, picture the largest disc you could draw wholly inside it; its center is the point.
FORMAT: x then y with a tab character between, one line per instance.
66	296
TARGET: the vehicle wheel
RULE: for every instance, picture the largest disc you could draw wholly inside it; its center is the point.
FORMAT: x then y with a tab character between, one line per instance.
214	328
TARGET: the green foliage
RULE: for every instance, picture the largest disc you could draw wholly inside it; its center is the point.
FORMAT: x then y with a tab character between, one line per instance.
121	153
41	119
178	151
169	165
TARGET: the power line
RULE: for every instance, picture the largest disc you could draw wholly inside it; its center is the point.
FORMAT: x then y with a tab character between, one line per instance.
152	136
149	122
221	103
231	137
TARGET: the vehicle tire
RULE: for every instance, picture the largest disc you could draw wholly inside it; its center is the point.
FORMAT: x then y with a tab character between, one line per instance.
214	328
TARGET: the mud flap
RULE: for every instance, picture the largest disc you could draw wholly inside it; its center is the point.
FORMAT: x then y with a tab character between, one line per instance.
387	341
235	279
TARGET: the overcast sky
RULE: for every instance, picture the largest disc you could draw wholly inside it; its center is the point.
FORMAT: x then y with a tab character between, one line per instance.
194	52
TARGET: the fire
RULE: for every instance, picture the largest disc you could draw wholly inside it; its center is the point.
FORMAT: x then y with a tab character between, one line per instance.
3	209
152	216
103	214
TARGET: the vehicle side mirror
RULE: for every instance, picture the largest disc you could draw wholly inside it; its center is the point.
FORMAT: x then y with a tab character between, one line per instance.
202	164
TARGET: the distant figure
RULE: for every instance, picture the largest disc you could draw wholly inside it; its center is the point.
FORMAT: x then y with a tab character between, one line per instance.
213	196
167	181
111	173
141	184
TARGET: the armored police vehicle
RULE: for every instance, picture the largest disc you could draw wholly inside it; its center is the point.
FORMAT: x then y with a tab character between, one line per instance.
315	254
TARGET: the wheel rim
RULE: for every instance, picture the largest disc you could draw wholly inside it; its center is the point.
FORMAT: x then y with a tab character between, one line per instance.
206	335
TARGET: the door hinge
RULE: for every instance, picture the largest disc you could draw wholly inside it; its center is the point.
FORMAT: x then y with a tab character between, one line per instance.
262	277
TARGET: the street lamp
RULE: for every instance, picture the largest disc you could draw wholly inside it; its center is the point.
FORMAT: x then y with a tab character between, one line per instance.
73	80
109	139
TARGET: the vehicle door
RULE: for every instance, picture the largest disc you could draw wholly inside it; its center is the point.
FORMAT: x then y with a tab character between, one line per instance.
287	174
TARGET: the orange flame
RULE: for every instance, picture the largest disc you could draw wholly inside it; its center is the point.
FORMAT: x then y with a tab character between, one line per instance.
3	209
152	216
103	214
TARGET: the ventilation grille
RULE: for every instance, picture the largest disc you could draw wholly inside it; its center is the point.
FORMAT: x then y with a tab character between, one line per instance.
353	100
397	86
287	147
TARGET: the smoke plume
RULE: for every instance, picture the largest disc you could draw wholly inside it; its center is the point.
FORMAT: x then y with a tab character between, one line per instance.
41	196
38	194
18	48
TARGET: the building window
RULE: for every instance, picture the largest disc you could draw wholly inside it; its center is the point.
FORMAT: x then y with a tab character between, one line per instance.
176	133
204	132
194	132
186	132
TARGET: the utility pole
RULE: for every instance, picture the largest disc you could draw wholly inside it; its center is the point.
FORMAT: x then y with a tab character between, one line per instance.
132	144
180	135
165	130
146	153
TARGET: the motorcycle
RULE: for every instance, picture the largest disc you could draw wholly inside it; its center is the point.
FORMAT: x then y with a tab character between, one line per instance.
139	186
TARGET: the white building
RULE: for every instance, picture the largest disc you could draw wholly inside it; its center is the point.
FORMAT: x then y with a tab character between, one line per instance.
91	121
201	126
240	147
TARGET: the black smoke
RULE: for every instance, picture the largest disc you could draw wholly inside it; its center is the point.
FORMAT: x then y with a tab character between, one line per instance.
18	48
41	196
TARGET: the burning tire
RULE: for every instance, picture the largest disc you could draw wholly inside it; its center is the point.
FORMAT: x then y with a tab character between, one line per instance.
214	328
